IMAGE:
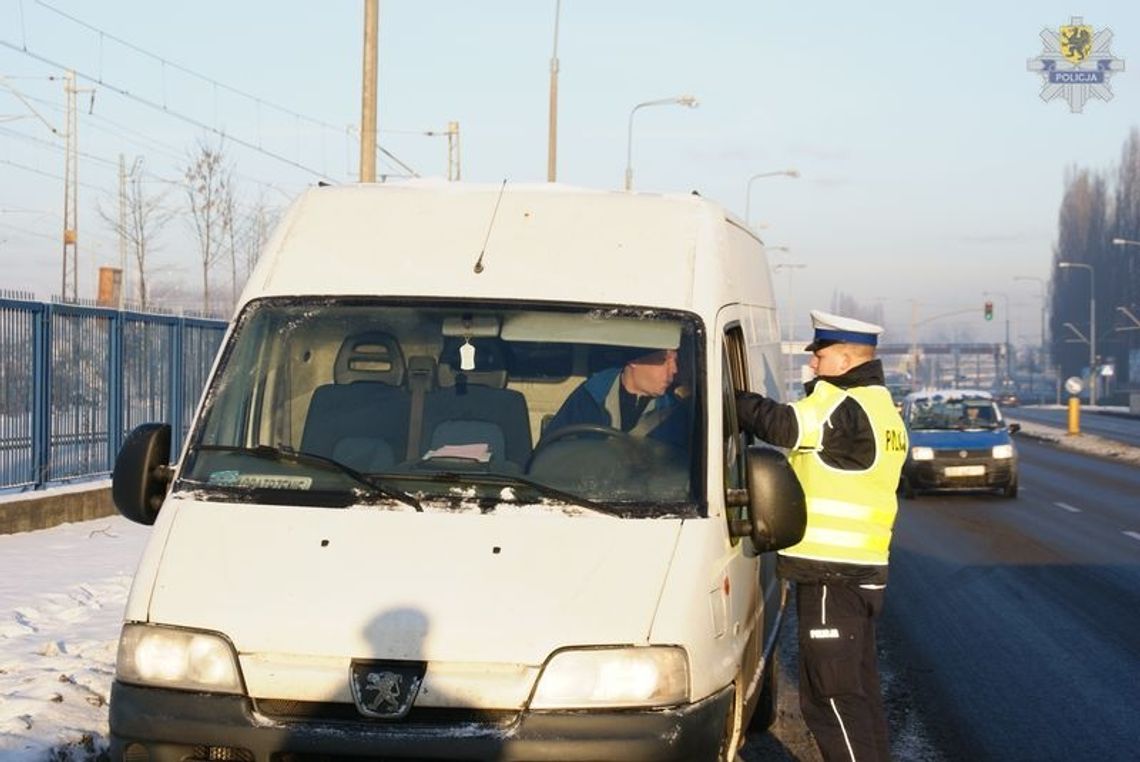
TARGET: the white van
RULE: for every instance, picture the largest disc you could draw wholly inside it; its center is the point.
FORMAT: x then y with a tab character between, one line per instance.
381	542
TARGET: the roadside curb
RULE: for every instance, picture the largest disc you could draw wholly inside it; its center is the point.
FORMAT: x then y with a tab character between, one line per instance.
1088	444
43	509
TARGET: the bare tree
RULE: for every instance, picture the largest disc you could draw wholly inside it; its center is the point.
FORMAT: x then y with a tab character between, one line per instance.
1082	237
259	222
208	185
229	229
1127	212
1124	285
246	231
144	220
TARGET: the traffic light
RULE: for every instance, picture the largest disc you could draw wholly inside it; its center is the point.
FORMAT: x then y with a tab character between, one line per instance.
989	310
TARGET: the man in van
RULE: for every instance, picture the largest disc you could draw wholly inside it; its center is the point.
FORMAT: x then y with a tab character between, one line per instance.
636	397
847	445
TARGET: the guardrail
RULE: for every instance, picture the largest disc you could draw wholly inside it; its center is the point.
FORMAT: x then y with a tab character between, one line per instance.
75	380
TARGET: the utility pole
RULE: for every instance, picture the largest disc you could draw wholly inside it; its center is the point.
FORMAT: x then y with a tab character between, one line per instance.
368	97
914	339
70	197
453	170
552	137
122	228
1094	377
452	134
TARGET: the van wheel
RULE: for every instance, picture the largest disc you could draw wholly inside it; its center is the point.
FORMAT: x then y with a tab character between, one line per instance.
1010	490
908	492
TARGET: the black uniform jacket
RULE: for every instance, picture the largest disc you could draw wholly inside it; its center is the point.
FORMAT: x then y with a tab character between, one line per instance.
848	444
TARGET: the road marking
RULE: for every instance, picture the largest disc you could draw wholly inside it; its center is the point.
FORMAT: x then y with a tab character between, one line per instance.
1133	535
1067	507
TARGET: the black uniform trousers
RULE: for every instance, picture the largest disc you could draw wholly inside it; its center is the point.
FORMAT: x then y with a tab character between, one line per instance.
840	697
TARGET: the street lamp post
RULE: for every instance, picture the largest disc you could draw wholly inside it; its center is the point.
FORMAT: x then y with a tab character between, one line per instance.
681	100
1041	283
1092	325
1124	242
748	192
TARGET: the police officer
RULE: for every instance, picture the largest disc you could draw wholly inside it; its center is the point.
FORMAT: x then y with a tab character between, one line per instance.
846	444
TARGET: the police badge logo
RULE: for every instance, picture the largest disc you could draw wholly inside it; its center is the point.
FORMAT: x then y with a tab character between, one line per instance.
1076	64
1076	42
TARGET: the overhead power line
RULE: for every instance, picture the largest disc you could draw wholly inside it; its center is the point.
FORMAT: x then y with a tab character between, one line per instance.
37	171
119	130
26	231
54	146
185	69
192	120
104	34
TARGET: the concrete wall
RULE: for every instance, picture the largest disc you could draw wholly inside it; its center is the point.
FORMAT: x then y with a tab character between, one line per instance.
47	508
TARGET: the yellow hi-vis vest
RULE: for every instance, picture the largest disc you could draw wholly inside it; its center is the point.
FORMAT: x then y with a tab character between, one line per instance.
849	513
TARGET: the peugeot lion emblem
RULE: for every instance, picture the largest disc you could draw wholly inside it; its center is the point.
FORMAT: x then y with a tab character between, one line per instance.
962	453
385	691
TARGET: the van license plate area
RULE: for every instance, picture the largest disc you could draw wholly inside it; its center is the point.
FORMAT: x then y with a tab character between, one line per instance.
965	471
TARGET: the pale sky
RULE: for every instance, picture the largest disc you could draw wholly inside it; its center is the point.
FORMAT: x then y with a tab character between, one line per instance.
931	168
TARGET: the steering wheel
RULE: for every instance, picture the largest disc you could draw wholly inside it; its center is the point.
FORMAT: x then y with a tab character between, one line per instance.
626	444
584	428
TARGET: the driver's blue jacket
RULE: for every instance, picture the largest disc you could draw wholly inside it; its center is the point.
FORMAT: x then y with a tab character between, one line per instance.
666	419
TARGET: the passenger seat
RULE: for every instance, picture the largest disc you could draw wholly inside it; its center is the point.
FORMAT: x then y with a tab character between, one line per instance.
475	407
361	419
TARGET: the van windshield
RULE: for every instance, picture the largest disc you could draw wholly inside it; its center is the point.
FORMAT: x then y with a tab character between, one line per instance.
437	403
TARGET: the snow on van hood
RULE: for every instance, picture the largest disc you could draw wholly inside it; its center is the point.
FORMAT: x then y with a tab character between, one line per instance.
364	583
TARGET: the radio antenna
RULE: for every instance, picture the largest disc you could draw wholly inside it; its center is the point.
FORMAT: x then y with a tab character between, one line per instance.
491	224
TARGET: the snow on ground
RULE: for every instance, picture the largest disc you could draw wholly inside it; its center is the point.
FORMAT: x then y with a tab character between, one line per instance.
62	593
1089	444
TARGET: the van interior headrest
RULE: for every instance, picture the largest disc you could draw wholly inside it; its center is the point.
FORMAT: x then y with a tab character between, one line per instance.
370	356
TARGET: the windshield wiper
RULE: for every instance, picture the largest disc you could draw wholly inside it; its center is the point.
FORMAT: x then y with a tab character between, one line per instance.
510	480
279	454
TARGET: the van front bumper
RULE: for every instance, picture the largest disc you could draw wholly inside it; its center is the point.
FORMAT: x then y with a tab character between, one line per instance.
159	725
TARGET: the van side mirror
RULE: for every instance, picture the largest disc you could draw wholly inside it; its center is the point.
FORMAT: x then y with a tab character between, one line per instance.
142	473
777	509
1014	427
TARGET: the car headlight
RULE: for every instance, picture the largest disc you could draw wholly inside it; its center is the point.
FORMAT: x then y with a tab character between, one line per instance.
1003	451
613	677
169	657
922	453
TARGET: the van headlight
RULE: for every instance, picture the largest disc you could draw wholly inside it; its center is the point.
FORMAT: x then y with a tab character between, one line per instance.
613	677
1003	451
922	453
169	657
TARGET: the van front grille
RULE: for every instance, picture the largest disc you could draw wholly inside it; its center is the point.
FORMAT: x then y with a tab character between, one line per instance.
285	710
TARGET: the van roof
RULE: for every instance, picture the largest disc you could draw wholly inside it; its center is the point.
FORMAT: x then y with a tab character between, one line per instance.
543	241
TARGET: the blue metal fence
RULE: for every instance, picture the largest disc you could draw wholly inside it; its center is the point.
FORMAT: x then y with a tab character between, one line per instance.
75	380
